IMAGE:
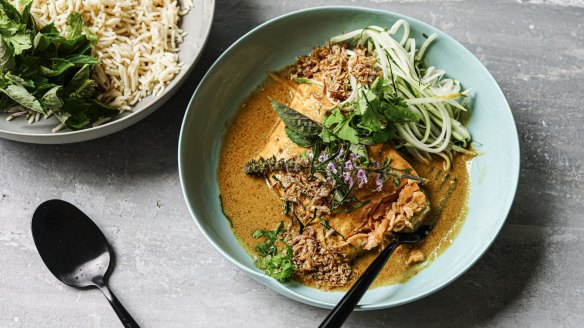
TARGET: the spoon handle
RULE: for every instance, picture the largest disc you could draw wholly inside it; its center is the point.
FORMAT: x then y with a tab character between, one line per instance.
346	305
124	316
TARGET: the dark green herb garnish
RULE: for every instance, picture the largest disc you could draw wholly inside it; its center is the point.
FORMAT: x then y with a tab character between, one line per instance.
275	261
42	71
328	227
223	211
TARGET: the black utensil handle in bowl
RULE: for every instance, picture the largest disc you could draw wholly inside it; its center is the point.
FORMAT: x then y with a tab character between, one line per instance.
346	305
122	313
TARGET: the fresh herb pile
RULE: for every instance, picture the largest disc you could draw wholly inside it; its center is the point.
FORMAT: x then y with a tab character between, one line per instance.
275	254
43	72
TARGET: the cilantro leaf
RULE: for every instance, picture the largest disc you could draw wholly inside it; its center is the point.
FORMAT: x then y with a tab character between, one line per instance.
276	263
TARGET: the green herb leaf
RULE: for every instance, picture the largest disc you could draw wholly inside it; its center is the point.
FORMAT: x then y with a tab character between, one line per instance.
51	100
299	139
20	42
80	60
268	247
7	61
27	18
10	12
20	95
279	266
30	66
58	67
295	121
74	25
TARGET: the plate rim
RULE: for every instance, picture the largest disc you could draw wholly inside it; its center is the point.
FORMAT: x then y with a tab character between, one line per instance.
283	290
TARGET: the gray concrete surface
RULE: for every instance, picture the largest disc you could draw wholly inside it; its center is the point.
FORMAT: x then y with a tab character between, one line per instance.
169	276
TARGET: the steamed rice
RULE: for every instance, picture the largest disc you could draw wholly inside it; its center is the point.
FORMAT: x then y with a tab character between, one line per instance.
137	42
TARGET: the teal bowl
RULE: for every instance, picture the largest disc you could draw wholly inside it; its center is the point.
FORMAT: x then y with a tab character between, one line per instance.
276	43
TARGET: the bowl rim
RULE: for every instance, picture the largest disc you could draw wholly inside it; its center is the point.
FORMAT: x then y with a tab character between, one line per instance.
281	289
98	131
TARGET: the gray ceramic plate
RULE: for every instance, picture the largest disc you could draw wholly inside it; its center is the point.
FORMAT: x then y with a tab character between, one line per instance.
275	44
197	23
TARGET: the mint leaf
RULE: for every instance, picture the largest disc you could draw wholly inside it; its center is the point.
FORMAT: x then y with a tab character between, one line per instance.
80	60
58	67
7	61
10	11
51	100
20	42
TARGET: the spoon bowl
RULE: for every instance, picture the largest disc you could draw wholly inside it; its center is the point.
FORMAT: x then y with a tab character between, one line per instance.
72	246
75	250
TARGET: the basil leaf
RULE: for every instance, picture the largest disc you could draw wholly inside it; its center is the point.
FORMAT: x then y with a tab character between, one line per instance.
295	121
299	139
327	136
20	95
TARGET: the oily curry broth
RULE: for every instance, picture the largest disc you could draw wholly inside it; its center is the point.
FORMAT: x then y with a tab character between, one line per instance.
250	205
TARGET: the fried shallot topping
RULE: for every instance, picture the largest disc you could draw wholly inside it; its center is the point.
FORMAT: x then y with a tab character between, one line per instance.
333	66
311	256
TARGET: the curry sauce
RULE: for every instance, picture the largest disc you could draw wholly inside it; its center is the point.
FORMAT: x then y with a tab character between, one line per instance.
250	205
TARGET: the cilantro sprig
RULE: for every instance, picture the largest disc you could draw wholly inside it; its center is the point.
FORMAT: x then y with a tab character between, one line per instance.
275	261
42	71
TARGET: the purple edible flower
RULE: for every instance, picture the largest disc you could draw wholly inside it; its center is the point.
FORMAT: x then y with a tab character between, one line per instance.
354	156
348	165
379	182
348	178
310	155
341	153
331	167
361	177
323	157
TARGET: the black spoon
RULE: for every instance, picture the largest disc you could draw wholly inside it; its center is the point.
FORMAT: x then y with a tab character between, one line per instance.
346	305
75	250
